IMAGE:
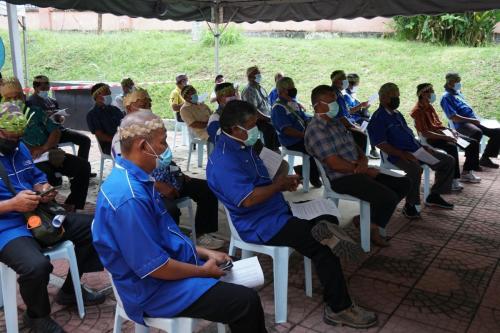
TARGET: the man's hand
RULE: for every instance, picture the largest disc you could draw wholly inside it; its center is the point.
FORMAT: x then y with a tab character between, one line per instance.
219	257
25	201
372	172
210	269
49	196
429	149
476	122
407	156
450	139
364	104
287	183
36	152
167	190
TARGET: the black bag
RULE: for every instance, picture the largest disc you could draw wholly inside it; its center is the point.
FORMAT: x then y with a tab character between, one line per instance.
45	233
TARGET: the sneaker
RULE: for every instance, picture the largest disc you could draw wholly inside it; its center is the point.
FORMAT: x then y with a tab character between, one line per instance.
42	325
209	242
435	200
488	163
90	297
336	239
456	185
411	212
374	155
354	316
469	177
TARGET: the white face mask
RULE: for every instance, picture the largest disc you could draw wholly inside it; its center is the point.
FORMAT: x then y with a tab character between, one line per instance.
107	100
345	84
44	94
258	78
354	89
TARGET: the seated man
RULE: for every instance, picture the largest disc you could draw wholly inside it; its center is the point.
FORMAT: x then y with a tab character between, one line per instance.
18	249
429	126
41	99
340	83
103	119
273	95
261	215
256	95
290	120
225	92
466	121
346	165
219	78
127	87
41	137
157	271
390	133
176	100
195	114
173	184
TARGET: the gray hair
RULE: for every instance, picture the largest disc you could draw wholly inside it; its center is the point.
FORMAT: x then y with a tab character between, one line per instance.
138	125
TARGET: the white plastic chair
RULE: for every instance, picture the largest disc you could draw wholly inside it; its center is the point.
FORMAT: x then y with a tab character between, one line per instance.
104	157
186	202
280	255
305	165
182	127
68	144
364	207
200	148
65	250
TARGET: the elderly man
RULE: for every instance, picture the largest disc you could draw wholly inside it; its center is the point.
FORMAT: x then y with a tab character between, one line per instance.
273	95
41	137
18	249
466	121
176	100
173	184
390	133
42	100
261	215
103	119
194	113
225	92
157	271
256	95
290	120
127	87
346	165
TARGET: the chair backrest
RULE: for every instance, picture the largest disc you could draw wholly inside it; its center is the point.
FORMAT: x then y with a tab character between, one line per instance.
115	292
324	177
234	232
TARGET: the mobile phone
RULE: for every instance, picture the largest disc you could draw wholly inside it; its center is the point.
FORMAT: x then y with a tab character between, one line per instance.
226	266
48	191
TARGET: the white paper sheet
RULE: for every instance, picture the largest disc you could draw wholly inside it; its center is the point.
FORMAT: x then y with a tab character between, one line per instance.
61	112
272	161
202	97
42	158
314	208
373	98
245	272
463	143
490	123
392	173
447	132
423	156
364	125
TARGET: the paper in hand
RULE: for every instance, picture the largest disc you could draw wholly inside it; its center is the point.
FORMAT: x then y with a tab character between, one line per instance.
447	132
389	172
373	98
423	156
272	161
463	143
202	98
245	272
61	112
311	209
42	158
490	123
364	125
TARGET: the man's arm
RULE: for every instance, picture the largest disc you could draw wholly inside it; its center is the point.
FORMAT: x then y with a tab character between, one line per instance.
460	119
52	141
176	107
177	270
290	131
391	150
262	193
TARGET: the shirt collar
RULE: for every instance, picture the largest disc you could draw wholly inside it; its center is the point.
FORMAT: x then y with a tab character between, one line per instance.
133	169
231	143
393	112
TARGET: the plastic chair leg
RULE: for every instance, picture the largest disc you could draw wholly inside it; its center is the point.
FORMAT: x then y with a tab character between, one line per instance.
305	172
190	150
200	155
232	248
175	135
8	277
427	179
280	272
308	276
246	254
142	329
101	171
75	276
291	160
192	222
221	328
365	225
117	327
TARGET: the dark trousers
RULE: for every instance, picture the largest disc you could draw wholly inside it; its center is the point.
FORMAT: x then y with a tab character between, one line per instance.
232	304
361	140
471	153
297	234
382	192
270	137
314	173
444	176
477	131
79	139
78	171
105	147
207	205
24	256
178	116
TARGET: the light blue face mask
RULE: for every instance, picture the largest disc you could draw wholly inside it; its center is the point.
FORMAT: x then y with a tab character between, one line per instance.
457	86
432	98
44	94
345	84
333	109
252	135
165	158
258	78
194	99
107	100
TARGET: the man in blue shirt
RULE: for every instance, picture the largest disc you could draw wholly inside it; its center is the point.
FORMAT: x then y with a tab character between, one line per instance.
18	249
466	121
158	272
290	121
224	93
390	133
260	214
273	95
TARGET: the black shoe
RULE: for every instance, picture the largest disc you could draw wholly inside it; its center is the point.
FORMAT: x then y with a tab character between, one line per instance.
435	200
93	175
486	162
316	182
42	325
411	212
89	297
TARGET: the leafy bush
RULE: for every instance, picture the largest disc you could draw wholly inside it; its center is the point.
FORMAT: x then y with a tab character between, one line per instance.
231	35
471	29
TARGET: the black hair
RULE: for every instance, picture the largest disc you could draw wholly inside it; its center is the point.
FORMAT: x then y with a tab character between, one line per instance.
320	91
335	73
352	78
37	79
218	76
236	113
97	86
220	86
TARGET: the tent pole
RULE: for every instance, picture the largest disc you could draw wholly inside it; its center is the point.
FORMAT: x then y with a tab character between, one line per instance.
15	43
25	51
217	36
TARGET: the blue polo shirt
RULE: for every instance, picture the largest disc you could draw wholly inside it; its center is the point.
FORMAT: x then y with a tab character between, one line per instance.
283	116
351	102
343	107
233	172
213	125
454	103
134	235
23	175
273	96
105	118
391	128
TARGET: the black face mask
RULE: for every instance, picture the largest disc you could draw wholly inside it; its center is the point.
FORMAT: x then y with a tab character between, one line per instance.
394	103
8	147
292	92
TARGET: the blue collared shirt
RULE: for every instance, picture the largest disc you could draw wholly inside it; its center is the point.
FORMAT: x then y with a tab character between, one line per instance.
351	102
273	96
454	103
391	128
233	172
134	236
23	175
343	107
282	117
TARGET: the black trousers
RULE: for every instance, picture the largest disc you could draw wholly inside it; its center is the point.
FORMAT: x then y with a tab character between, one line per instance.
477	131
361	140
314	173
471	153
360	122
78	170
178	116
24	256
270	136
382	192
206	219
232	304
105	147
79	139
297	234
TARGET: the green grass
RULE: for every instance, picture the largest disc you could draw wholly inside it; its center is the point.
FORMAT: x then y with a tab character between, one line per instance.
158	56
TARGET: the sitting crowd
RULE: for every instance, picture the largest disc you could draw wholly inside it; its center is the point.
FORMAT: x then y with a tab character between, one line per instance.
157	270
